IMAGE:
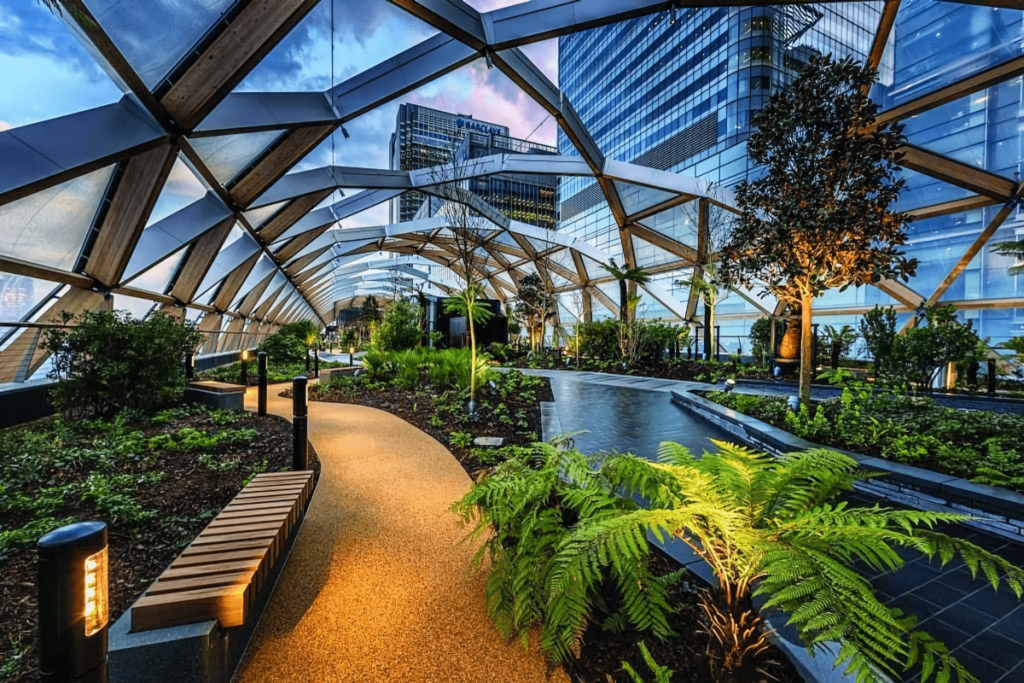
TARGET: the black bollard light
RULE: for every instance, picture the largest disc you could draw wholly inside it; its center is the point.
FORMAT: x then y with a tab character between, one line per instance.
190	367
316	362
243	375
261	384
351	356
992	376
74	606
300	410
307	361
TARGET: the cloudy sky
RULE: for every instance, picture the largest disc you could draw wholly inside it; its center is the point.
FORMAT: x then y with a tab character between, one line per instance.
45	73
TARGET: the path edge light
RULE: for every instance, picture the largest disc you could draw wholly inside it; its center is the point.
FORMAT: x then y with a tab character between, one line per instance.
300	428
261	384
74	603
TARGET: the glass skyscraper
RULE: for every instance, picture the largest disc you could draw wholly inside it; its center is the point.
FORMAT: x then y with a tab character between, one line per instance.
427	137
675	91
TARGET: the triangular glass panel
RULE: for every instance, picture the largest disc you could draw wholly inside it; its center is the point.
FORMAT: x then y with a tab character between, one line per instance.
48	71
49	227
362	39
636	198
228	155
259	217
20	295
137	308
649	256
680	223
158	278
153	36
182	188
260	271
556	279
539	245
938	43
595	269
980	129
923	191
938	243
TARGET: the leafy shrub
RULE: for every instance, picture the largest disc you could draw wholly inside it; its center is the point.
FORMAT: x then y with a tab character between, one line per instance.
110	361
761	337
982	446
400	328
526	515
600	339
460	439
283	349
305	331
28	535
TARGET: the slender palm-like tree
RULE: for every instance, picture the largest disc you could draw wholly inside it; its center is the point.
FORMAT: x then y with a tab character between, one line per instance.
467	303
625	275
773	528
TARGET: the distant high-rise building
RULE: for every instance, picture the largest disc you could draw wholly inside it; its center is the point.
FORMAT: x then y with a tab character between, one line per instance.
426	137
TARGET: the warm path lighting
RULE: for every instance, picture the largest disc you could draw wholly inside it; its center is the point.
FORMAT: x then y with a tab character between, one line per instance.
74	605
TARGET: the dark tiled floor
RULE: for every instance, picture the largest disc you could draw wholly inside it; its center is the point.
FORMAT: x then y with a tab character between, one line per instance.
983	628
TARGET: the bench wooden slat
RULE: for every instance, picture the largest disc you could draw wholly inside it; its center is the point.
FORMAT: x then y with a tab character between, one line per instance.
213	558
226	604
251	564
201	582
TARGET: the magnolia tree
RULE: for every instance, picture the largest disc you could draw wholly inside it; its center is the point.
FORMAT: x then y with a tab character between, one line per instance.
820	216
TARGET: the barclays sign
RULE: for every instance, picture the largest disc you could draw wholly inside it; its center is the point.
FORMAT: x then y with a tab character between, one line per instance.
478	126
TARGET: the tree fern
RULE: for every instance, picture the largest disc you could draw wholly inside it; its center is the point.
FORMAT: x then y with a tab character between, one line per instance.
772	527
522	515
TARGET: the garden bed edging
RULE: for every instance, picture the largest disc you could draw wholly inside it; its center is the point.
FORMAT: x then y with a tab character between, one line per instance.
997	510
992	404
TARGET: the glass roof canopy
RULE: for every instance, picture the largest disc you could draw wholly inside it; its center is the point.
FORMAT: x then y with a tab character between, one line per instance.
86	216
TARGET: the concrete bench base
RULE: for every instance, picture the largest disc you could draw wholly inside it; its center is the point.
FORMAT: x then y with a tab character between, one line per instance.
216	399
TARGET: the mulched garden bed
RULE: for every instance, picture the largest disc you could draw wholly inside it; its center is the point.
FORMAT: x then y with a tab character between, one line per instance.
184	500
681	369
603	652
418	409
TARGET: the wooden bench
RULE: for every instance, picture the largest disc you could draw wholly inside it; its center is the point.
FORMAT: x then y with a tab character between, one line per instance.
221	573
222	395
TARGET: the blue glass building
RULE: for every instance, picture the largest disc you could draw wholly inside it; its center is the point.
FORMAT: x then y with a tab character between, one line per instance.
675	91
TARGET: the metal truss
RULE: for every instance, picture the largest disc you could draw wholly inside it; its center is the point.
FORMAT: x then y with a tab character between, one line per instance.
292	261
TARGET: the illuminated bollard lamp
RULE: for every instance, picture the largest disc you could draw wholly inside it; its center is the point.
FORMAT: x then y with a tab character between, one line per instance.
74	605
300	428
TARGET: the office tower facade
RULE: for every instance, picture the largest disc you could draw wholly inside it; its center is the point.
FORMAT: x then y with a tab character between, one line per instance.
426	137
677	91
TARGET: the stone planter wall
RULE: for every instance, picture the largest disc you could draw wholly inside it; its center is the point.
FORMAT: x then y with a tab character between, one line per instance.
993	404
998	510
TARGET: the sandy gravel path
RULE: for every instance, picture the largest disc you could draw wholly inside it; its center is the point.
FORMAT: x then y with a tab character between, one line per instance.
377	587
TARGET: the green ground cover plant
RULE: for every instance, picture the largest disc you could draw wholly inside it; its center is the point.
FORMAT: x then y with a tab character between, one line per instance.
984	447
156	480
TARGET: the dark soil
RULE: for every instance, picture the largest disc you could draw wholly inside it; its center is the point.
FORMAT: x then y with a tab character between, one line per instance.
418	408
603	652
185	500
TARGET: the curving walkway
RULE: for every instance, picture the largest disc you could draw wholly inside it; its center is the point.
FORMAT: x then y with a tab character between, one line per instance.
377	587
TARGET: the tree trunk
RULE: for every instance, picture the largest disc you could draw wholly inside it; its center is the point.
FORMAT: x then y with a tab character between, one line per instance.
806	349
623	301
472	353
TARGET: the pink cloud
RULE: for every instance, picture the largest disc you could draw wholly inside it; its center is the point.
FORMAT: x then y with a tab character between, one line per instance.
490	96
5	126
